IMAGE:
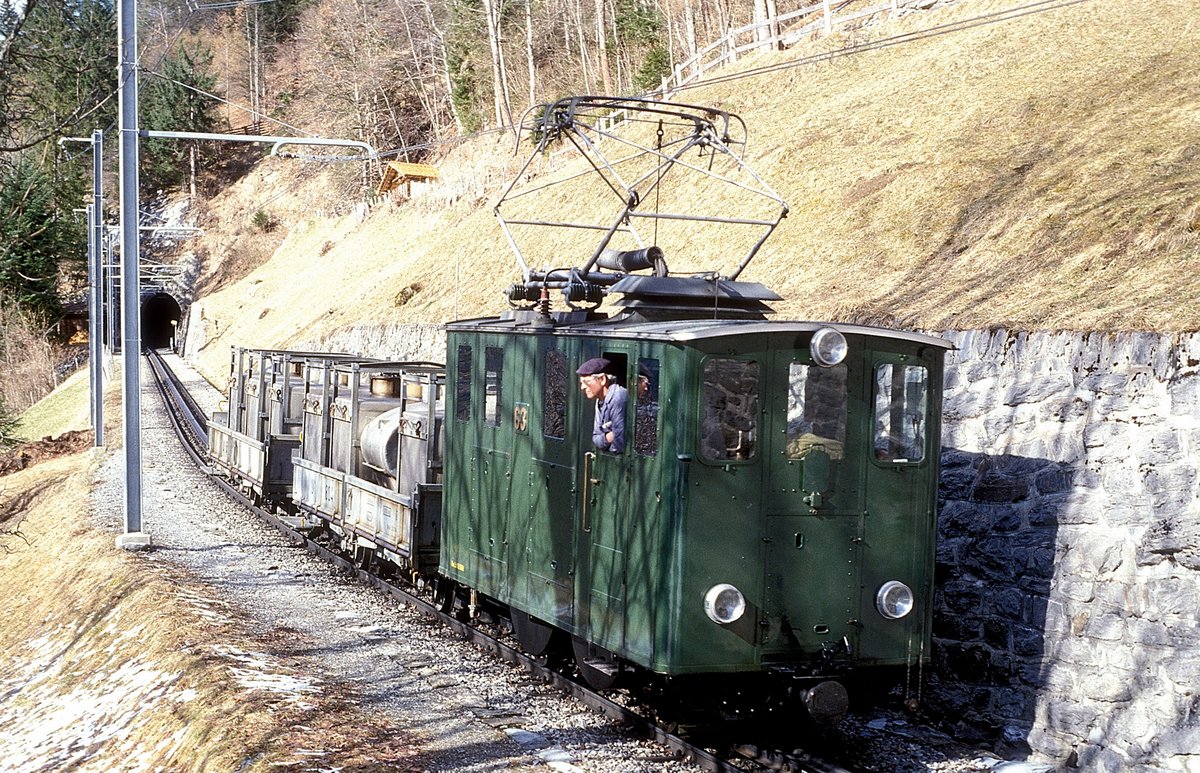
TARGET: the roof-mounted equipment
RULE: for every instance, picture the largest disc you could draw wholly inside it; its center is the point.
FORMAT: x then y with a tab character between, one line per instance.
654	181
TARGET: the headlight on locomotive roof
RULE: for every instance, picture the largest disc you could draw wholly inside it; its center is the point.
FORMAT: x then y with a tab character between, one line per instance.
828	347
894	600
724	604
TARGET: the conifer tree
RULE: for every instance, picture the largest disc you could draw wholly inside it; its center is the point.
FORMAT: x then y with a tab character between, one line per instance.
11	17
34	236
60	77
173	102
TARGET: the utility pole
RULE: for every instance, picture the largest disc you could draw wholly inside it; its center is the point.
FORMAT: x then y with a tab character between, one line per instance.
96	288
133	538
94	388
95	326
95	212
112	236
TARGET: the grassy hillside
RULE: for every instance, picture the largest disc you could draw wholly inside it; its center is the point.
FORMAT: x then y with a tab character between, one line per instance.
1038	172
66	408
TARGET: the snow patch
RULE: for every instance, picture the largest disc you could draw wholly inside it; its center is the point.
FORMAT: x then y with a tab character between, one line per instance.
257	671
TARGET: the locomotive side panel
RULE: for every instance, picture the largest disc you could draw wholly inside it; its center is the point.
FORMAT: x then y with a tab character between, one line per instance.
479	465
516	414
547	536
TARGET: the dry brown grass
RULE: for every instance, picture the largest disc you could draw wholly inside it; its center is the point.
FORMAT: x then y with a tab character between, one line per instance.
1039	173
117	662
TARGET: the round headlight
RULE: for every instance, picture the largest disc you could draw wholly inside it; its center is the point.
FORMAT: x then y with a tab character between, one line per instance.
724	604
894	600
828	347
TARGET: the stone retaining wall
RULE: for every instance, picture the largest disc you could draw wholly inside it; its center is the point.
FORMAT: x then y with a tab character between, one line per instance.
391	342
1068	573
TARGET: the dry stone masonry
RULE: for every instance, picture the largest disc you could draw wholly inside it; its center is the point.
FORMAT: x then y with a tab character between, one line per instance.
392	341
1068	586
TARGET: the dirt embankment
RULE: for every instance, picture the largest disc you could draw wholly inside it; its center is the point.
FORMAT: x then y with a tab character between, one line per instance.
28	454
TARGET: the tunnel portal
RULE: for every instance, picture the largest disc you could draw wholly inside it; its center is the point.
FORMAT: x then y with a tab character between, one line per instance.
161	316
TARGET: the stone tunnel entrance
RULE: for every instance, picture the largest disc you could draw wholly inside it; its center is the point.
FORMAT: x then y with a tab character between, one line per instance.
161	317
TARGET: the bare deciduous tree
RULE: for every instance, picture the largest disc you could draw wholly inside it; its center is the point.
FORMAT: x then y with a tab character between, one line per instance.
503	109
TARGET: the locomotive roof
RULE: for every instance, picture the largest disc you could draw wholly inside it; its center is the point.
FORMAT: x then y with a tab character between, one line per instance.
681	330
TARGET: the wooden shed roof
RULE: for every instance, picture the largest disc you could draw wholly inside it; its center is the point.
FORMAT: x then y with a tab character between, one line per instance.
397	172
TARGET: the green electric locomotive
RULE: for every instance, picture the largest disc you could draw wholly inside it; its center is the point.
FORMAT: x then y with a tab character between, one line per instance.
687	492
652	478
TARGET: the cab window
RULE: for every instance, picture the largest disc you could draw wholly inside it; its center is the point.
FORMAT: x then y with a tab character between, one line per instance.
729	410
554	395
901	396
645	427
462	385
493	360
816	410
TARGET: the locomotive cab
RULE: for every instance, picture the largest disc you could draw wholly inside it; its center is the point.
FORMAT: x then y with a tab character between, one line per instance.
765	524
808	522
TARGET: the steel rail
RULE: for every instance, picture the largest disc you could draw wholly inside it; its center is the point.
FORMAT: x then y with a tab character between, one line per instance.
185	414
196	447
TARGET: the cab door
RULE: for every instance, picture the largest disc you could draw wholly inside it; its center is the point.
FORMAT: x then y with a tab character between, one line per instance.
902	476
604	493
813	506
550	537
646	529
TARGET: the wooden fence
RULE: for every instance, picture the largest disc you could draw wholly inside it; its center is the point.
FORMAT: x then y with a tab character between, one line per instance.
773	34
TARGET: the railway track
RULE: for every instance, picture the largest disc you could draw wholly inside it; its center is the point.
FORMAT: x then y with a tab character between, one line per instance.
190	425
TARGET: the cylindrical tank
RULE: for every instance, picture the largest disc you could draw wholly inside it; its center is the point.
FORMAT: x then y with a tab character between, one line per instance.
385	386
380	441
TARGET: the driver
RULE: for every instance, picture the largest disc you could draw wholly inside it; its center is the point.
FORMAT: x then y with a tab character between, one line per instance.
597	383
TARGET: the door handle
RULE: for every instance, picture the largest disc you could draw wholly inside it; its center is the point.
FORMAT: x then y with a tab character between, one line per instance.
588	460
